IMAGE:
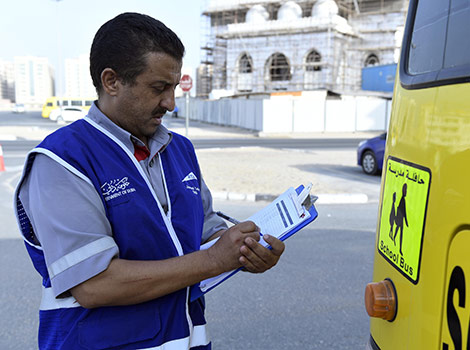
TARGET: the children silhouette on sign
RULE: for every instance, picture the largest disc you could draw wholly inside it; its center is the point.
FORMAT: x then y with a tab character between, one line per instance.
392	217
400	216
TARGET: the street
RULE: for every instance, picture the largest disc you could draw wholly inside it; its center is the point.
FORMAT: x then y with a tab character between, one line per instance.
313	299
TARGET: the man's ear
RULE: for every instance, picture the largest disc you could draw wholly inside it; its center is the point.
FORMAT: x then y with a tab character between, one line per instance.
110	81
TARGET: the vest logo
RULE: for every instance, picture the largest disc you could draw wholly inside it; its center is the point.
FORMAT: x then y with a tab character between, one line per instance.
116	188
191	177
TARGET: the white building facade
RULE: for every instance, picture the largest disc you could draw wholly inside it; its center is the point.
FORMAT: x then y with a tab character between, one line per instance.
271	46
34	81
78	81
7	82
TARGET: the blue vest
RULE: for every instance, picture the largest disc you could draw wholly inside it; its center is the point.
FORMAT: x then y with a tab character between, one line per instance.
141	233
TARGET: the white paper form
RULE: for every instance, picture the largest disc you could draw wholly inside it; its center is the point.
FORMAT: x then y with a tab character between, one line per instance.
277	219
280	216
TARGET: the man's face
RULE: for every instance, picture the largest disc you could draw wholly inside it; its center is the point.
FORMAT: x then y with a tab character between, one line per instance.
142	105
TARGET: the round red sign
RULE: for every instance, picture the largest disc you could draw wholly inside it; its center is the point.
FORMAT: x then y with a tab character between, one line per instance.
186	83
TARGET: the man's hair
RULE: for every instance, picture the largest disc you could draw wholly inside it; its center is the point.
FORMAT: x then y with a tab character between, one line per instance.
123	42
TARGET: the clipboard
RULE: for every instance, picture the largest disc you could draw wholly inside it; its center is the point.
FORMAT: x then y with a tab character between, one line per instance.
302	204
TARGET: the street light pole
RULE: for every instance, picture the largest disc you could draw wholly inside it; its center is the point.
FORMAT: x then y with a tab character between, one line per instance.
58	80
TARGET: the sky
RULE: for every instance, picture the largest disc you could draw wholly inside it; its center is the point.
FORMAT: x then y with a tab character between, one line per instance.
65	29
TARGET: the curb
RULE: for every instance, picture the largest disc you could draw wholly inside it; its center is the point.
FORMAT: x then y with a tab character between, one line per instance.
234	196
323	198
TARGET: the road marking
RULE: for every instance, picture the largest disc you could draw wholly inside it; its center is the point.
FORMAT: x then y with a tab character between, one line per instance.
4	137
342	198
11	169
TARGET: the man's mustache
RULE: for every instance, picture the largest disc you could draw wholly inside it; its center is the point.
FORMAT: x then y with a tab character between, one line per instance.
159	111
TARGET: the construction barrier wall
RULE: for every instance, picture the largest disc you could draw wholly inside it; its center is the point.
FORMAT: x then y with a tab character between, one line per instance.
313	113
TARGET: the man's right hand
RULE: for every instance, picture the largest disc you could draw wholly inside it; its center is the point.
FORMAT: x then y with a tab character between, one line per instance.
225	253
127	282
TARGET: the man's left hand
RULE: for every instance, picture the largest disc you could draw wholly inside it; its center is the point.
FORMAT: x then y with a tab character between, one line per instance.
256	258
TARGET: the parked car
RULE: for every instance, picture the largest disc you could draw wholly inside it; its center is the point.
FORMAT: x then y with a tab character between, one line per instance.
370	154
67	114
18	108
54	114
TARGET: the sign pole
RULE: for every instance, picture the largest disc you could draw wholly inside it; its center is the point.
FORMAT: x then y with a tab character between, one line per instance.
187	112
186	83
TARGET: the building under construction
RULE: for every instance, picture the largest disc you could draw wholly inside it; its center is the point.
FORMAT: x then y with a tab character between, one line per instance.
265	46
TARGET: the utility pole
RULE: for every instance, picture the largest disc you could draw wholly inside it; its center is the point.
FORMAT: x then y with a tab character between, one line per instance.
58	75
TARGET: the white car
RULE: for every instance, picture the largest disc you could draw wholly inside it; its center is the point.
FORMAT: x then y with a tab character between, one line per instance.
18	108
67	114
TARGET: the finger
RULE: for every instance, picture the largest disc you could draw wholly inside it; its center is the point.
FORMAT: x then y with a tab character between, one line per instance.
255	255
269	256
247	226
261	257
249	266
277	245
255	235
257	250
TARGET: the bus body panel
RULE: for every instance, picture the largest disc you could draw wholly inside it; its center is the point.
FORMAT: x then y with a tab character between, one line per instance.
429	134
429	127
49	105
456	320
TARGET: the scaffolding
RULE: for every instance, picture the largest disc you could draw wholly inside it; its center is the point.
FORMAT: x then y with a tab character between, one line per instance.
290	49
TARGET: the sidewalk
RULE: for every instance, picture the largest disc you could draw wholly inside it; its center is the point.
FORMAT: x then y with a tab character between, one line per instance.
259	173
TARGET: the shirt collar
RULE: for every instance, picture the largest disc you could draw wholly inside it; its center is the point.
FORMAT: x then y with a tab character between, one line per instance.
157	142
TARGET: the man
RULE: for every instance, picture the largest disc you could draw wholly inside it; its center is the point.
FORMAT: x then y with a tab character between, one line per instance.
113	208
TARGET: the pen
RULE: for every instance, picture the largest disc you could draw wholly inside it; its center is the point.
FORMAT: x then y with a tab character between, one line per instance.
228	218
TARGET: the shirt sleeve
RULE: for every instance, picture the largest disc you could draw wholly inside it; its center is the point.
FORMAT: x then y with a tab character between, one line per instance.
70	223
212	222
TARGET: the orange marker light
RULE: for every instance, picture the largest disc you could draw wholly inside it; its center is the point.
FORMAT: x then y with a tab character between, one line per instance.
381	300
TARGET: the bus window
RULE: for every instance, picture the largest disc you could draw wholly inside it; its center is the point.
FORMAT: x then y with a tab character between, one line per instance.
78	103
65	103
88	102
457	45
430	22
444	58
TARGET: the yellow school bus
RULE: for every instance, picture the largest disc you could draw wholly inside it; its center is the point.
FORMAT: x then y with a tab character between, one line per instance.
58	102
419	298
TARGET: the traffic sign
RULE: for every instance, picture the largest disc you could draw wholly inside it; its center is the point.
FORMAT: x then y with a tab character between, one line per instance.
403	215
186	83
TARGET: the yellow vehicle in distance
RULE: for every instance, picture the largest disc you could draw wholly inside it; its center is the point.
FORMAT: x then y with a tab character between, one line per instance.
420	297
53	103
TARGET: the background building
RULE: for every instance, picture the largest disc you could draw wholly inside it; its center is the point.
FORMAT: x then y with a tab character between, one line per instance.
266	46
33	80
78	81
7	83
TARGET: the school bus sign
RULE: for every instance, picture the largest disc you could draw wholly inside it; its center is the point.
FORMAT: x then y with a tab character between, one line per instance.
403	214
